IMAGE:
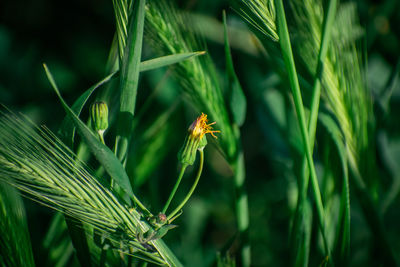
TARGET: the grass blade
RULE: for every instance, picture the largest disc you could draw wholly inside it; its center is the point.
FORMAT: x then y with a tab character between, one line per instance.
238	104
67	128
167	60
129	76
242	208
15	243
79	241
67	133
102	153
312	122
287	54
342	250
237	99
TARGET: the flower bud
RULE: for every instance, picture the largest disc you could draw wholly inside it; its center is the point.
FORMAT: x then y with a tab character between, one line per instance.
187	154
195	139
99	115
159	220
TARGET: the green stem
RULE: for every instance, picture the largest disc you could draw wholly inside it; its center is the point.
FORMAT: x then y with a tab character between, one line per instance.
140	205
242	208
191	189
129	78
175	188
284	41
312	123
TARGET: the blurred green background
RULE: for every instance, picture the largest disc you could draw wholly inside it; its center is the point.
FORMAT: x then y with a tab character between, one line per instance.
74	38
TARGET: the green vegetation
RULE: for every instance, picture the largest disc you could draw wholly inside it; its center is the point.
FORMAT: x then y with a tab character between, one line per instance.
213	133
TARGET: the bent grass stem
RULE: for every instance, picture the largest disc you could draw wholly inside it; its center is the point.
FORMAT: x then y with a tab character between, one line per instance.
191	189
175	188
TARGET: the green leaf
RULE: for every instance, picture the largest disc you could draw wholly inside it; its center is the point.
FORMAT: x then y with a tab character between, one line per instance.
102	153
129	76
78	238
16	249
160	62
286	50
343	236
237	99
312	125
67	128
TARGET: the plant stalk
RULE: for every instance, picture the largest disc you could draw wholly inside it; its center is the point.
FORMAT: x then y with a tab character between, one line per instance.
284	41
192	188
129	77
312	122
242	208
178	181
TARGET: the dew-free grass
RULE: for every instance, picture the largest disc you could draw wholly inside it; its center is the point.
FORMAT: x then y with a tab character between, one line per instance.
221	175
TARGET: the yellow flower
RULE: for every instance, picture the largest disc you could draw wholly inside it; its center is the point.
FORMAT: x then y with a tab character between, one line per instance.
195	140
200	127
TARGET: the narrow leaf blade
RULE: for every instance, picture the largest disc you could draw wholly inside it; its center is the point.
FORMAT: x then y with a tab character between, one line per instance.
102	153
15	243
237	99
67	128
343	237
130	78
78	238
167	60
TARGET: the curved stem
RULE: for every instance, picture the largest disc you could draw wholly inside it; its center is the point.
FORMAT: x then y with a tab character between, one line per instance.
140	205
175	188
191	189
